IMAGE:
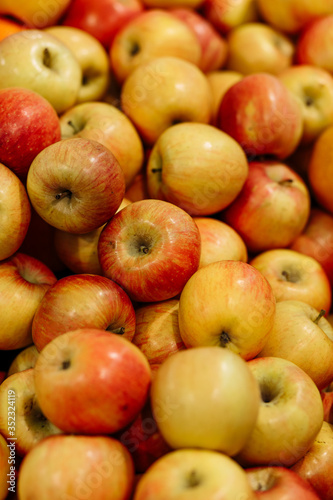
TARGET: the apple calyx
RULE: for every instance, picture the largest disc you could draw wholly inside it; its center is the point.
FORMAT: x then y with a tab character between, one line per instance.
320	315
47	58
224	339
134	48
268	393
33	413
267	483
286	182
193	479
64	194
291	276
65	364
118	331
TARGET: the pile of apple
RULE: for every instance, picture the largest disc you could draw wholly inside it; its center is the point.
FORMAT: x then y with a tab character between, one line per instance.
166	249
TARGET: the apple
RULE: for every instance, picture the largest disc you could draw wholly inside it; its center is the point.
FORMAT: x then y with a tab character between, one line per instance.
76	185
5	468
153	33
300	334
93	60
109	126
320	169
83	301
150	248
77	467
15	212
219	241
220	81
29	124
295	276
316	466
257	47
137	190
24	360
193	473
279	483
327	398
9	27
314	44
102	19
226	15
31	426
205	398
196	167
36	60
35	13
227	304
290	414
23	283
163	92
83	396
167	4
272	209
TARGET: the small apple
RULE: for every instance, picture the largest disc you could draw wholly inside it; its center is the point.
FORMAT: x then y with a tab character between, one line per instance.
226	15
24	360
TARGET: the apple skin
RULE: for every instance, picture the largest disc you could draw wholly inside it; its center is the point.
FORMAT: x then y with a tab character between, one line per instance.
84	397
76	185
83	301
4	467
327	398
316	466
262	115
226	15
9	27
146	244
24	360
227	304
35	13
23	283
272	209
220	81
29	124
102	467
279	483
314	44
320	170
290	414
15	212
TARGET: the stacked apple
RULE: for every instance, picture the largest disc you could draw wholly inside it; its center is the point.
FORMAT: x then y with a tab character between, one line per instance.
166	249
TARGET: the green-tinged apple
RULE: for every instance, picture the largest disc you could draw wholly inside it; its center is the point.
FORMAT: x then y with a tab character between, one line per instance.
153	33
15	212
7	467
316	466
38	61
83	301
295	276
314	46
213	46
91	56
196	167
157	332
272	209
320	170
302	335
109	126
205	398
163	92
28	124
219	241
31	425
290	414
82	396
68	467
279	483
226	15
193	474
227	304
35	13
23	283
262	115
76	185
314	88
257	47
150	248
24	360
220	81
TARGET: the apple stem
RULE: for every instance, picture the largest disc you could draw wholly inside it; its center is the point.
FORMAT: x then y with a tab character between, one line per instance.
64	194
193	479
286	182
224	339
47	58
320	315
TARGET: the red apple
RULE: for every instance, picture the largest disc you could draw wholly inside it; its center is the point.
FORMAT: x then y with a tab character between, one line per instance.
327	398
226	15
315	43
320	170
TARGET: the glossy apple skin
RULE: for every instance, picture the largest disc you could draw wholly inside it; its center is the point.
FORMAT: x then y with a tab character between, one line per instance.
29	124
83	301
83	396
220	81
146	244
315	42
4	467
15	212
102	467
316	466
262	115
320	170
226	15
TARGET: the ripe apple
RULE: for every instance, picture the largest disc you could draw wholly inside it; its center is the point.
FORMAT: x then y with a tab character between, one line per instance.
196	167
9	27
314	44
226	15
327	398
89	381
227	304
83	301
137	190
163	92
28	125
15	212
36	60
220	81
192	473
272	209
167	4
150	248
23	283
35	13
205	398
295	276
5	468
300	334
77	467
76	185
290	414
24	360
320	171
